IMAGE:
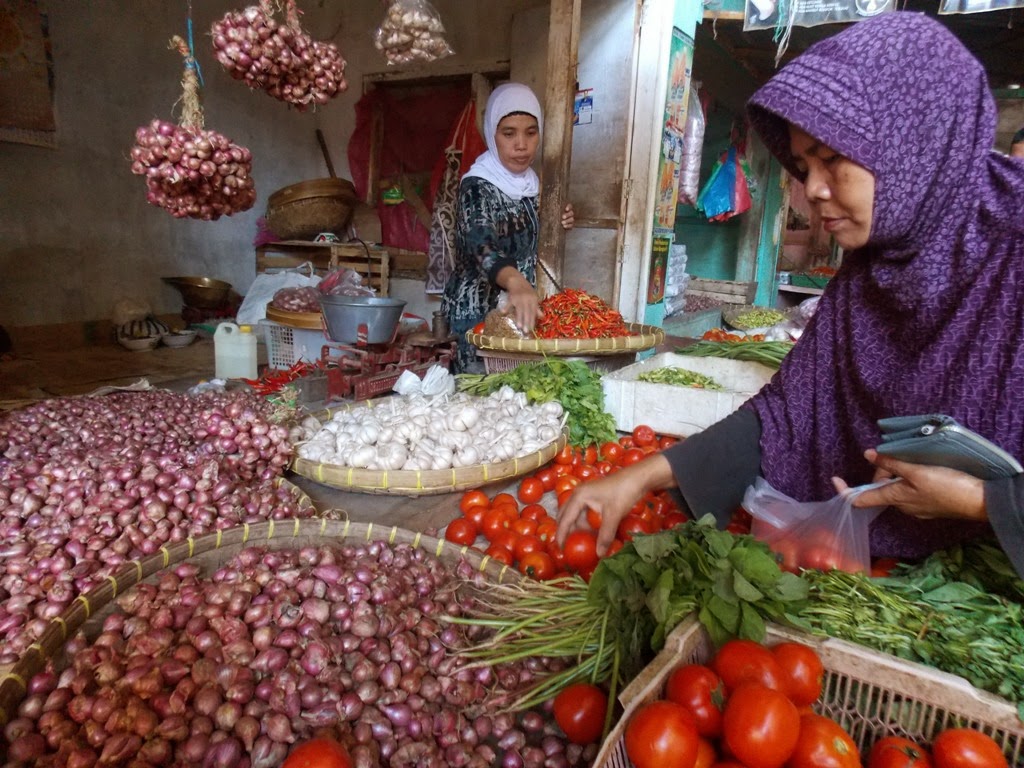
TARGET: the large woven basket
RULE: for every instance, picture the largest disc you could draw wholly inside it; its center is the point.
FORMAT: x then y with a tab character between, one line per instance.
646	337
304	210
427	482
210	551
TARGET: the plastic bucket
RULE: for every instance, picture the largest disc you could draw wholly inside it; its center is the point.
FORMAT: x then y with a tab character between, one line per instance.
365	319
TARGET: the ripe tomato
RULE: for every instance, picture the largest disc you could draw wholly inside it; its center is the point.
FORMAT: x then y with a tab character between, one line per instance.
565	456
760	726
667	441
461	530
627	442
476	515
587	472
802	671
506	538
593	519
530	490
672	519
614	547
474	498
535	512
563	498
882	566
966	748
504	498
580	550
501	554
318	753
579	711
706	754
823	743
741	661
611	452
590	455
632	456
537	564
701	691
898	752
644	435
496	520
524	526
527	544
660	735
547	477
566	483
547	530
632	525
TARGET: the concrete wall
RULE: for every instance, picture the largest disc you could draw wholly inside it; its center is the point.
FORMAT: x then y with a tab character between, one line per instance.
76	232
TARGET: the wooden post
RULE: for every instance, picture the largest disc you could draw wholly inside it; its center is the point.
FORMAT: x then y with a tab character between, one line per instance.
563	44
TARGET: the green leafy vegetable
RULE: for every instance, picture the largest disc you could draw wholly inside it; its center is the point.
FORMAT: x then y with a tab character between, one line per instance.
768	353
679	377
571	382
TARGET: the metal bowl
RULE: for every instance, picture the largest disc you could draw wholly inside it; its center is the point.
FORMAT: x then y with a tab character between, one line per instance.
201	292
370	319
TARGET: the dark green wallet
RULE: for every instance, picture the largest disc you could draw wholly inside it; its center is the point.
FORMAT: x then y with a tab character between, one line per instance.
939	440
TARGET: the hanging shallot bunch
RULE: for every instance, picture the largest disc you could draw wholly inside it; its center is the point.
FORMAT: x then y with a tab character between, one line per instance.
279	58
191	171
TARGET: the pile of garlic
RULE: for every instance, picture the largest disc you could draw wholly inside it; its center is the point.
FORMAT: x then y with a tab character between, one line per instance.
411	31
424	433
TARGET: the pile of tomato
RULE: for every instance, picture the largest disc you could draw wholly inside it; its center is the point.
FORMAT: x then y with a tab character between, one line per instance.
519	530
750	706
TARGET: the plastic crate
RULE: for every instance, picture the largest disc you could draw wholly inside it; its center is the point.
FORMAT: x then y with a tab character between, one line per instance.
287	345
871	694
498	362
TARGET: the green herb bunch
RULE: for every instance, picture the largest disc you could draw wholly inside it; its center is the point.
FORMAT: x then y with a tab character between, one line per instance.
571	382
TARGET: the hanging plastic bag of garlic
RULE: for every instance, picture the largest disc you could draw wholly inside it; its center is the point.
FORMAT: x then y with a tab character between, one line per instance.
411	31
278	57
190	171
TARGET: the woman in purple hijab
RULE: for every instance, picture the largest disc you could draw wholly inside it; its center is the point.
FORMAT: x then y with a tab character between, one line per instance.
890	124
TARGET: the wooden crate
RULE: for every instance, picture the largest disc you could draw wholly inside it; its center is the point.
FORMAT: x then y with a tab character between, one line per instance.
370	261
725	291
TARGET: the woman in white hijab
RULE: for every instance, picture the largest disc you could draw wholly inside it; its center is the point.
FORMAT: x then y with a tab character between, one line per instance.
497	225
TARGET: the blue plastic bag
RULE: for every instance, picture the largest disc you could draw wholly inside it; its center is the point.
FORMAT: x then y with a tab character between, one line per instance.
717	197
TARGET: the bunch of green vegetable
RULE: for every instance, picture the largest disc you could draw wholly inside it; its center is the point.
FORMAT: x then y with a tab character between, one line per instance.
920	614
571	382
611	628
768	353
680	377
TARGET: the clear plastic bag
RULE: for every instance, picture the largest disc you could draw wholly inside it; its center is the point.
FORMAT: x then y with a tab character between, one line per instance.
693	147
818	534
500	322
411	31
345	282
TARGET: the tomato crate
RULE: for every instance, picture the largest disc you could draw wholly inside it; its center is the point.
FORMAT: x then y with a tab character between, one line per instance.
869	693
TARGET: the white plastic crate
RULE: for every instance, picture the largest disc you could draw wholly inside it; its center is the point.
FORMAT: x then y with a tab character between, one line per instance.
287	345
680	411
499	361
869	693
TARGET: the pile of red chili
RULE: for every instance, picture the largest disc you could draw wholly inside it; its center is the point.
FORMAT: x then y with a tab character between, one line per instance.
575	314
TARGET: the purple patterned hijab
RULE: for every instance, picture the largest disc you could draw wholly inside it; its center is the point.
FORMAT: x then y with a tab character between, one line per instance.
928	317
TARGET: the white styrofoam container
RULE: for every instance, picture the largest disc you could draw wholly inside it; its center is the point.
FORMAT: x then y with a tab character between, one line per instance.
680	411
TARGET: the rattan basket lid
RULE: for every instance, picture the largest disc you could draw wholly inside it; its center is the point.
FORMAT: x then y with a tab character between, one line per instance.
312	321
645	337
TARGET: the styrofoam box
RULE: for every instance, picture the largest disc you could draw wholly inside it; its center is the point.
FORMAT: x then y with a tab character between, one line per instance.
680	411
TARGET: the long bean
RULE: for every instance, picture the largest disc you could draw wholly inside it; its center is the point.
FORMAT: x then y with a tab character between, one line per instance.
769	353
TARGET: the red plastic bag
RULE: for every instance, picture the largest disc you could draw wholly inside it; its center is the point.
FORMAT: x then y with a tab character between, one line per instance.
817	534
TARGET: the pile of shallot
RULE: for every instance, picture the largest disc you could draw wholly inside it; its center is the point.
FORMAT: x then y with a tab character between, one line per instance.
304	298
190	171
278	646
89	483
411	31
279	58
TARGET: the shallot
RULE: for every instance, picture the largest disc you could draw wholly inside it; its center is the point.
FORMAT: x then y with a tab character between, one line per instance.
191	171
279	58
225	712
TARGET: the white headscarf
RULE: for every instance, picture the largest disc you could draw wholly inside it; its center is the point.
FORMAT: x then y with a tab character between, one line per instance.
503	101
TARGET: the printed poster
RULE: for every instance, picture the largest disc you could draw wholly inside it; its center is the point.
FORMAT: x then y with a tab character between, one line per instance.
583	107
779	14
977	6
659	266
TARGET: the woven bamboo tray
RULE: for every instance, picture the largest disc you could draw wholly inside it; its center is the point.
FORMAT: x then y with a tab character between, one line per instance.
647	336
88	611
426	482
312	321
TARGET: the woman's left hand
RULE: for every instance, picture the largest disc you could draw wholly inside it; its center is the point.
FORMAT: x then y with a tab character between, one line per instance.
923	491
568	217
